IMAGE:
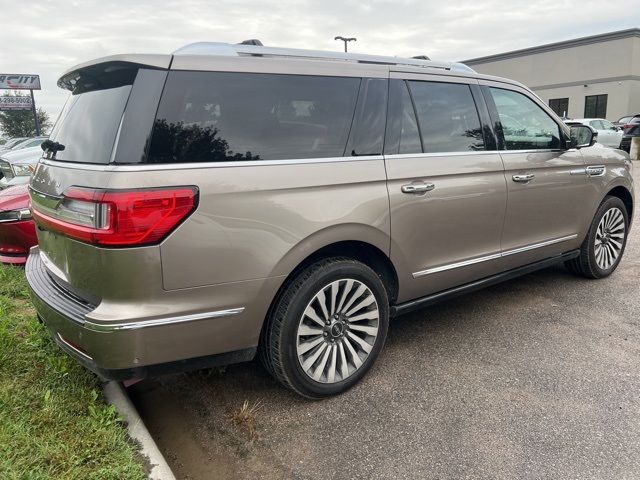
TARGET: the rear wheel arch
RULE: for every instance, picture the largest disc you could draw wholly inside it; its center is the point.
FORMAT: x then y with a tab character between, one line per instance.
358	250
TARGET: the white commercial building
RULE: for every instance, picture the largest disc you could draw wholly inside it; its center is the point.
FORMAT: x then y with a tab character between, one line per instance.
597	76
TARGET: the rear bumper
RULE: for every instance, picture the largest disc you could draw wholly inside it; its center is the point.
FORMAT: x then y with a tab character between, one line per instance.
16	238
127	349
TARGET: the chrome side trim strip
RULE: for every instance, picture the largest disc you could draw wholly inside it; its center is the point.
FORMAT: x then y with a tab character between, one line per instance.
451	266
533	246
493	256
443	154
114	327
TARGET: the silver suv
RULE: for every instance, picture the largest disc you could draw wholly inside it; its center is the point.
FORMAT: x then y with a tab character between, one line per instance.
229	201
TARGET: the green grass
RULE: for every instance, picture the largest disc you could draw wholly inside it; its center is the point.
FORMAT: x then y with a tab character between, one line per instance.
54	422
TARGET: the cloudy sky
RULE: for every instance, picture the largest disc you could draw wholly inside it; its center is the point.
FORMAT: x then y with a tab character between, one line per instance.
47	37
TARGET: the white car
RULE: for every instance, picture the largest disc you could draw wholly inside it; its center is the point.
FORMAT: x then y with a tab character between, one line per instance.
608	134
16	166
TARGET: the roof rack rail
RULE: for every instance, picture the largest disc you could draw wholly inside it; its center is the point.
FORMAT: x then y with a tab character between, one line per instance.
244	49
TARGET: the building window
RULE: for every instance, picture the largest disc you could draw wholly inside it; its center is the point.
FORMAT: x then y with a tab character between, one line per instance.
595	106
560	106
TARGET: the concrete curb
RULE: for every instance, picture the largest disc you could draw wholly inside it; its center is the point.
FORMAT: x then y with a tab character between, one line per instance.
116	395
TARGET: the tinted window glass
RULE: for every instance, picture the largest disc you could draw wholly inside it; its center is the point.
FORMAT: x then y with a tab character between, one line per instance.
88	125
367	133
524	124
213	117
447	117
402	128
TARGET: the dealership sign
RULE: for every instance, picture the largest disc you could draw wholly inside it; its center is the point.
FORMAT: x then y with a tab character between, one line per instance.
19	81
15	102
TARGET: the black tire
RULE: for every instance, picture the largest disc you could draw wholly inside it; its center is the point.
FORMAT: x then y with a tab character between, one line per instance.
586	265
279	342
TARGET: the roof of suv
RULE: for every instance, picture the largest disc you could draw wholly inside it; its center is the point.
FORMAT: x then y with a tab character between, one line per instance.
200	55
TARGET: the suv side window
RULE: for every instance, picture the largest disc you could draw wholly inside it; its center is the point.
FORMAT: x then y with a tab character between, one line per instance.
222	116
367	132
597	124
447	117
525	125
403	136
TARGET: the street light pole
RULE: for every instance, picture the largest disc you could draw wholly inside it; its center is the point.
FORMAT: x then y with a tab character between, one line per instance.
346	40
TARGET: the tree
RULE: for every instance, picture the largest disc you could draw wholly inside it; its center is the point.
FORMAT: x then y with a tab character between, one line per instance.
19	123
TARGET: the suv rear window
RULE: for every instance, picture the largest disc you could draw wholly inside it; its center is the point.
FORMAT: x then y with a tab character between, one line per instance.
89	122
221	116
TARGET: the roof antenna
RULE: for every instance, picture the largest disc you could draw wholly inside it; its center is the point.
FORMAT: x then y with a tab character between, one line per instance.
252	41
421	57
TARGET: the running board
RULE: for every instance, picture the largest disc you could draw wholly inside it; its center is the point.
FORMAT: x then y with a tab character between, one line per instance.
418	303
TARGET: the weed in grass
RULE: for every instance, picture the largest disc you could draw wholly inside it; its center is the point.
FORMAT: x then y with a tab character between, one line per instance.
245	418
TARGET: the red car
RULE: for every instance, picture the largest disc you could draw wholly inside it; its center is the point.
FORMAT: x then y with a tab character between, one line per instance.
17	230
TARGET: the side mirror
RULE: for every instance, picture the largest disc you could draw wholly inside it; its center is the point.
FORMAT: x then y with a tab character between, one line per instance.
582	136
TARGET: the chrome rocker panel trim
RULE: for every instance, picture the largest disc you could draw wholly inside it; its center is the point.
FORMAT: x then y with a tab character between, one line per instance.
493	256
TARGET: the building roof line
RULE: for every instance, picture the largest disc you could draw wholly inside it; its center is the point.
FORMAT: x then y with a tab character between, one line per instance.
576	42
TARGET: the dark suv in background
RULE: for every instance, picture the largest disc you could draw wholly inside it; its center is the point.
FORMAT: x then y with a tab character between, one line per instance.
631	129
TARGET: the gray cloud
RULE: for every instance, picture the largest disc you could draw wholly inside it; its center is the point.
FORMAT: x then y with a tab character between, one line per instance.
47	37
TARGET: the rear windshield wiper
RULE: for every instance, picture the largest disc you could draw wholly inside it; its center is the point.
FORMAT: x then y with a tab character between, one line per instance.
51	146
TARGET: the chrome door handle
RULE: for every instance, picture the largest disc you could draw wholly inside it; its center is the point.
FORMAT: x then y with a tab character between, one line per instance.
524	178
417	187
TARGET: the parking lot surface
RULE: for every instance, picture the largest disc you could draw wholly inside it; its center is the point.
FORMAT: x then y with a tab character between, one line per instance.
534	378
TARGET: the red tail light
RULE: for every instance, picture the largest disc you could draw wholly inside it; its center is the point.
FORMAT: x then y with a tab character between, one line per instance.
118	218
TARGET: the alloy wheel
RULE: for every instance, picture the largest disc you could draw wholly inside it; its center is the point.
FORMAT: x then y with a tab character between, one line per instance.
609	240
337	331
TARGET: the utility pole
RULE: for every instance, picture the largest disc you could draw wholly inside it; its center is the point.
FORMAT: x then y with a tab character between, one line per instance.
35	114
346	40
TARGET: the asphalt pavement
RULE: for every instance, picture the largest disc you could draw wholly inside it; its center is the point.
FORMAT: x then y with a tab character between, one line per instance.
536	378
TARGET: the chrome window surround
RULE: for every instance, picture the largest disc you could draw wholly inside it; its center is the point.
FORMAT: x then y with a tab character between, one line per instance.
493	256
292	161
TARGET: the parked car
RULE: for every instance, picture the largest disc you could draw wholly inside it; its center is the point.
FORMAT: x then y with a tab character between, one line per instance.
622	121
29	142
608	134
16	166
17	230
243	200
11	142
631	129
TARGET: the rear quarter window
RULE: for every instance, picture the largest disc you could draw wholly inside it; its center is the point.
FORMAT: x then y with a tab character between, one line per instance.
222	116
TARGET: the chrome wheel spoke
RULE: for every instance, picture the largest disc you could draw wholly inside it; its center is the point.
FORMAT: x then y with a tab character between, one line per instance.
371	315
364	345
355	359
309	330
306	346
312	359
331	374
364	303
344	367
334	295
345	293
373	331
322	301
323	363
359	291
311	313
